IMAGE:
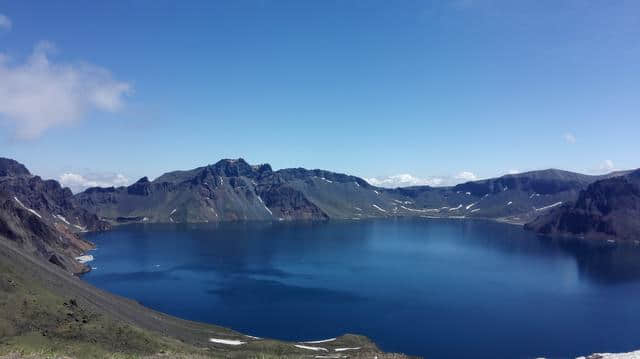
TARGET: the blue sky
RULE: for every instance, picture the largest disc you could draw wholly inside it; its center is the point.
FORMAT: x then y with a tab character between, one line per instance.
442	90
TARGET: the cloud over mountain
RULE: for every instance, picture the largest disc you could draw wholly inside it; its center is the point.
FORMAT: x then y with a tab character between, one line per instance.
79	183
404	180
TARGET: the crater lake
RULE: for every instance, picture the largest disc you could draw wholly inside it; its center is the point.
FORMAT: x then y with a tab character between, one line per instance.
433	288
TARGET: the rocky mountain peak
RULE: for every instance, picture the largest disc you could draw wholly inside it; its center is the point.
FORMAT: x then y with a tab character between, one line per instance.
9	167
238	167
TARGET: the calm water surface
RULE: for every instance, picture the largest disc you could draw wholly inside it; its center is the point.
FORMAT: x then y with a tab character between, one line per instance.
436	288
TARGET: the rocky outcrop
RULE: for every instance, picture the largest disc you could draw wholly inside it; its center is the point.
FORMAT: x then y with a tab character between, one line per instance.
606	209
39	216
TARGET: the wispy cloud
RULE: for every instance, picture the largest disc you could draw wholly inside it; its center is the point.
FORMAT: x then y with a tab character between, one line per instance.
466	176
569	138
40	93
5	22
79	183
607	166
406	180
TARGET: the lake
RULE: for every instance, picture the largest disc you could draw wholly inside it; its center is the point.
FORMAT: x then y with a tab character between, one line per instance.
435	288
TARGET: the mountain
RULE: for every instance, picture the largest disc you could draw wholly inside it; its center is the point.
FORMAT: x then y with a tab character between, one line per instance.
44	309
235	190
606	209
39	216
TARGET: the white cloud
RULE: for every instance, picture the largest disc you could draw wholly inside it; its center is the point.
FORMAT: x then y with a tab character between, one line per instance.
79	183
39	93
607	166
603	167
569	138
5	22
404	180
466	176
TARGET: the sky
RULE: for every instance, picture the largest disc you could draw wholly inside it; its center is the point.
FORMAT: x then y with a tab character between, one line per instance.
398	92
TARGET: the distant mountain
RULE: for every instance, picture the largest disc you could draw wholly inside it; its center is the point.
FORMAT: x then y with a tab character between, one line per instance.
40	217
606	209
235	190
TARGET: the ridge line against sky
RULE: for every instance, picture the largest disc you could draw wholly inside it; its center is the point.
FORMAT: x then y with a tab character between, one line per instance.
400	94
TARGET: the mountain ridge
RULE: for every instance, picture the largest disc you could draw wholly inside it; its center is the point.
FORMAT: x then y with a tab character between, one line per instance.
232	189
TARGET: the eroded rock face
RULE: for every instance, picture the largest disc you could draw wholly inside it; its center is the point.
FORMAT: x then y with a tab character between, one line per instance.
40	215
606	209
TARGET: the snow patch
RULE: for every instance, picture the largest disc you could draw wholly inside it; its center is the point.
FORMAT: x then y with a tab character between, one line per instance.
509	203
547	207
421	210
475	210
85	259
319	341
62	218
455	208
471	205
630	355
172	212
226	341
28	209
310	348
345	349
378	208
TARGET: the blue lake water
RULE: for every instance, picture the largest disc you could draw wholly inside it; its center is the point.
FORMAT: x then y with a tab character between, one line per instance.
435	288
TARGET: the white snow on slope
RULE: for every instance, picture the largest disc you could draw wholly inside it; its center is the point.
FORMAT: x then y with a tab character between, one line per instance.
310	348
172	212
509	203
226	341
28	209
455	208
471	205
630	355
326	180
85	259
62	218
319	341
268	210
547	207
345	349
378	208
420	210
475	210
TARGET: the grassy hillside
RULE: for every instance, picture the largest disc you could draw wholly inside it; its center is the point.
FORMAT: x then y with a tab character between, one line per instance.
46	311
